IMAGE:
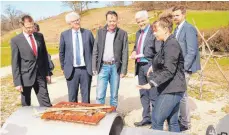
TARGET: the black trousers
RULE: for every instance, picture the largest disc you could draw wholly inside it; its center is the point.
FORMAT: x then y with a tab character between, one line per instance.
147	97
41	90
80	77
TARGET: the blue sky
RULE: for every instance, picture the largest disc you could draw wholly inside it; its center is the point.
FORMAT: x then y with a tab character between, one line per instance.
40	9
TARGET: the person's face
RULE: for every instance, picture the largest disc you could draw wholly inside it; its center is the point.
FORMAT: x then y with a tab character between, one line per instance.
75	23
35	29
112	21
178	17
142	22
159	32
28	27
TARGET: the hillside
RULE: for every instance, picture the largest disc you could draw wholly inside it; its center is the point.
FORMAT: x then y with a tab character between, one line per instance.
93	18
90	19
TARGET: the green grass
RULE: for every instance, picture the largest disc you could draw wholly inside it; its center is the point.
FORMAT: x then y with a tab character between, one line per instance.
6	54
208	19
223	62
6	40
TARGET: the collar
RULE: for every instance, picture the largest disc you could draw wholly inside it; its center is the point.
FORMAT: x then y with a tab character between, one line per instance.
74	31
181	24
146	28
112	31
171	36
26	35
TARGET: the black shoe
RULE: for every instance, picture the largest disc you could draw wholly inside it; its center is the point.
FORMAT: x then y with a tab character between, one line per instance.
139	124
183	128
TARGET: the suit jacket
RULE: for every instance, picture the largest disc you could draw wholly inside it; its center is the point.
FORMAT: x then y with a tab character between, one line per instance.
25	64
150	48
66	51
168	68
188	40
120	50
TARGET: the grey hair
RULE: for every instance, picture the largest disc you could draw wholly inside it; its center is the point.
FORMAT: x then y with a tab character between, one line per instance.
141	14
71	17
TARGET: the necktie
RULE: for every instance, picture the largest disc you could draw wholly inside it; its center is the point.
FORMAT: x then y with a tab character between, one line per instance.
175	31
33	45
78	61
139	45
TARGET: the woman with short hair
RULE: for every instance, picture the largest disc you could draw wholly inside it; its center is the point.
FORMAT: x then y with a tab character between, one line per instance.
168	76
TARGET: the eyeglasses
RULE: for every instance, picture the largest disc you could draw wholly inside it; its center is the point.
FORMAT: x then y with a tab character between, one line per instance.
29	28
75	21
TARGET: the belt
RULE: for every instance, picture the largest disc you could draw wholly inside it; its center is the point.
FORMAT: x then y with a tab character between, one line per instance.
142	63
108	62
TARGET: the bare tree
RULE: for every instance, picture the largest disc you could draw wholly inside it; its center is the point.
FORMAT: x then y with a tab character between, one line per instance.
10	20
116	3
13	16
78	5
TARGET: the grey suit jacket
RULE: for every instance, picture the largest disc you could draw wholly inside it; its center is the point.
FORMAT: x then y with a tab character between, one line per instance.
150	48
188	40
66	51
120	50
25	64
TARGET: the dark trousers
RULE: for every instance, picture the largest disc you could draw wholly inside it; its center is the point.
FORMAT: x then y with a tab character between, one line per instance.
80	77
148	97
40	88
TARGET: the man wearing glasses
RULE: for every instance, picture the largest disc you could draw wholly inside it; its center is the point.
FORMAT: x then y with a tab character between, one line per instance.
146	46
75	53
30	64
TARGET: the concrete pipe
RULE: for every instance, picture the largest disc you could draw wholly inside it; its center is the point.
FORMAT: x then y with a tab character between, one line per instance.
24	122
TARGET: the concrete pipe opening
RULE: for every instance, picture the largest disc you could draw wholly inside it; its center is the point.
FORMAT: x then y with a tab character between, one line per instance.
24	122
117	126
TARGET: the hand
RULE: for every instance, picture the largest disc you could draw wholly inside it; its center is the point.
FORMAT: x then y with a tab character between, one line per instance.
149	70
19	88
122	75
133	55
139	56
146	86
94	73
48	78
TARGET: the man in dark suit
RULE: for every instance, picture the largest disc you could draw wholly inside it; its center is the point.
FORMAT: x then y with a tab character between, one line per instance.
143	54
30	64
146	46
187	36
110	58
75	54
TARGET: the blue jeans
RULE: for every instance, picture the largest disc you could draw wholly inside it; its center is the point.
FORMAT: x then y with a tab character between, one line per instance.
107	74
167	107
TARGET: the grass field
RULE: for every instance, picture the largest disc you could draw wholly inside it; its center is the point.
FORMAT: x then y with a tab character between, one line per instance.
208	19
6	55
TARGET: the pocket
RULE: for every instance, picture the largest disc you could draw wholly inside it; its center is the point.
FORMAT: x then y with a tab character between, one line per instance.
23	71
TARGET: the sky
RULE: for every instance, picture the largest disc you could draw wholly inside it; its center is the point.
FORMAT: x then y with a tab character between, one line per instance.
41	9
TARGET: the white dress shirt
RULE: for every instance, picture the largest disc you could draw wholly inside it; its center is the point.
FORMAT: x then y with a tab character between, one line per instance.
82	62
29	41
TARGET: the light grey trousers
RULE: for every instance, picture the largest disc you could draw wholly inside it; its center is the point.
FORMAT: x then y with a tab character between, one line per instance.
184	113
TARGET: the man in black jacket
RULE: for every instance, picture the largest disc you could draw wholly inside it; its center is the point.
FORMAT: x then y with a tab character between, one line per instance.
30	64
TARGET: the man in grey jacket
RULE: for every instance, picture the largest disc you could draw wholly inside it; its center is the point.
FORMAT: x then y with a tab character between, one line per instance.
110	58
186	35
